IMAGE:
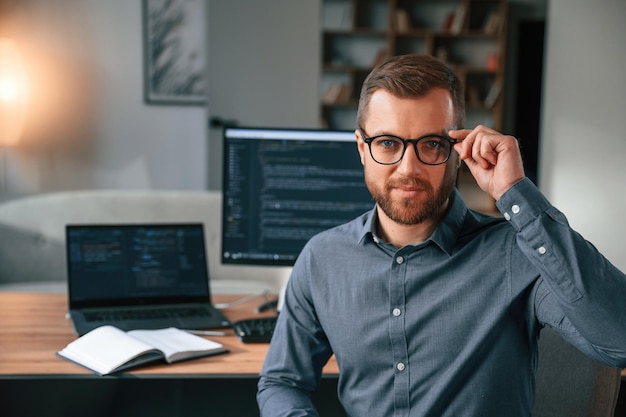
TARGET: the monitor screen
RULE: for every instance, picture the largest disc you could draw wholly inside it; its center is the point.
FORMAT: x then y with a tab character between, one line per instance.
282	186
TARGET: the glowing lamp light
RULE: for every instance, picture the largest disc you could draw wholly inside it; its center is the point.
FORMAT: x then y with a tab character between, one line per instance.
13	93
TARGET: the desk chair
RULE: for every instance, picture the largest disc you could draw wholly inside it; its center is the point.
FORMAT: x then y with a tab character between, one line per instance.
569	384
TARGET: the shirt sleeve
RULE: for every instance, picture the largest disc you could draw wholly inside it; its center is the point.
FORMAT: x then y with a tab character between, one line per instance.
298	351
580	293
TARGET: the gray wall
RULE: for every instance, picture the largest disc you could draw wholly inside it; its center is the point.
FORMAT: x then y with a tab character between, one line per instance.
88	126
583	142
263	67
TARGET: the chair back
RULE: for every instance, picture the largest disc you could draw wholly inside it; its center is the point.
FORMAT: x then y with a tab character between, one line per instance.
570	384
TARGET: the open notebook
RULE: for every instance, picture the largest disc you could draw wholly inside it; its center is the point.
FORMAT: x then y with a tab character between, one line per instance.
139	276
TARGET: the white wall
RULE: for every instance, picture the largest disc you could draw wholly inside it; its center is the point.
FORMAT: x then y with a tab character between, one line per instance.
89	126
583	143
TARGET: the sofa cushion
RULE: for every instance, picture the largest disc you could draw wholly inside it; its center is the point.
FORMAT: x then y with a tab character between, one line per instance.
32	230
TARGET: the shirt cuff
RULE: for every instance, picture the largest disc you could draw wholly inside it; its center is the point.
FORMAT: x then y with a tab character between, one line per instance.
522	203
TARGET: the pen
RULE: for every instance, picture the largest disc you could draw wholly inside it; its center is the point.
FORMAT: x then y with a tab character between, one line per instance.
206	332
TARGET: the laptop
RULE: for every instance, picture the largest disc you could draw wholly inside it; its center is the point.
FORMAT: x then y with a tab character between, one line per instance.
139	276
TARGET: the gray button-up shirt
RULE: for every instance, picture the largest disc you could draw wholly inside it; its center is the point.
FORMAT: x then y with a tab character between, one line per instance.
447	327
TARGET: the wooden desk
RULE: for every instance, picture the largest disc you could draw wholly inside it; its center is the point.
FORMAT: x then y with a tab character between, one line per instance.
35	382
33	327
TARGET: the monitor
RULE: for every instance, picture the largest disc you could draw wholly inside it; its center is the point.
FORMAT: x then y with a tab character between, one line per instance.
282	186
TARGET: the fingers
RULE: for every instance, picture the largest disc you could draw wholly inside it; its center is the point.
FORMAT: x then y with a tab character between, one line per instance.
479	146
494	159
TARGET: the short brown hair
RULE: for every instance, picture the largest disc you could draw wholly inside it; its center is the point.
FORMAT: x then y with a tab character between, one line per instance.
413	75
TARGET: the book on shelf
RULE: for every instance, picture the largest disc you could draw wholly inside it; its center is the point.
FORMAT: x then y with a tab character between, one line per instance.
344	95
447	24
493	23
403	21
457	19
107	349
492	95
332	94
337	94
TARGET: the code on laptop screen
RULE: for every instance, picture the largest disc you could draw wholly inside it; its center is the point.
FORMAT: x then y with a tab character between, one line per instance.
136	261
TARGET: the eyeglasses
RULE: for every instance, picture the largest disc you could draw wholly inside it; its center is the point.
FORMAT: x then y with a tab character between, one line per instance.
430	149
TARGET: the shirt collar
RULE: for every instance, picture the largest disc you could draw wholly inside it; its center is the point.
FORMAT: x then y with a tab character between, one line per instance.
368	230
448	231
446	234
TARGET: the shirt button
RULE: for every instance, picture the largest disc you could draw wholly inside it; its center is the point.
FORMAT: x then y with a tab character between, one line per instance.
515	209
400	366
507	216
541	250
399	260
396	312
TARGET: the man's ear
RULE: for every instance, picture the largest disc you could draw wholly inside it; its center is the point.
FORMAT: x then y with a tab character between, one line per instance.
361	146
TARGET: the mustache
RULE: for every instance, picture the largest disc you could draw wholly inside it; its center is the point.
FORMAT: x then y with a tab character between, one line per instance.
407	182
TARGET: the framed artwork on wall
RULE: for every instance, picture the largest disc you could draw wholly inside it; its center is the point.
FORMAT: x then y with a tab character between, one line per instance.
174	51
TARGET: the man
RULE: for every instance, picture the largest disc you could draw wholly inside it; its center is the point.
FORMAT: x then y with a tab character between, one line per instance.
432	309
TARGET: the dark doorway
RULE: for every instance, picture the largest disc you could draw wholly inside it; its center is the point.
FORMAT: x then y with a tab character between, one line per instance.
528	98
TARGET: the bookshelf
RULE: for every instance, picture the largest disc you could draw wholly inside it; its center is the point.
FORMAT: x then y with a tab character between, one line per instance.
468	34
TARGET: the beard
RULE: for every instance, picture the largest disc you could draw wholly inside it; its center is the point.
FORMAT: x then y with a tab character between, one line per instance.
411	211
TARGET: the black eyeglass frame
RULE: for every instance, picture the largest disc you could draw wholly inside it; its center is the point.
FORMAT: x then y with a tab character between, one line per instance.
405	142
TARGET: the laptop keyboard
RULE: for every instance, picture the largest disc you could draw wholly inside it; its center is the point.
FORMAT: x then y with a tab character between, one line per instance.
140	314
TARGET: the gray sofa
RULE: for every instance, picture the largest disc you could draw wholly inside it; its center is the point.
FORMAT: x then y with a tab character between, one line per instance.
32	235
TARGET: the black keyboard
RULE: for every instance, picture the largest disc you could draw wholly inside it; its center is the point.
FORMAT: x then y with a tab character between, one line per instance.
257	330
134	314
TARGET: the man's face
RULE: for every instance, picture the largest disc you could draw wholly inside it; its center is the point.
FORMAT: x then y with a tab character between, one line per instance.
409	192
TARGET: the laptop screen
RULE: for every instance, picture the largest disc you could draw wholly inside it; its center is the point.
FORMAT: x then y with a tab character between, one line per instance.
136	264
